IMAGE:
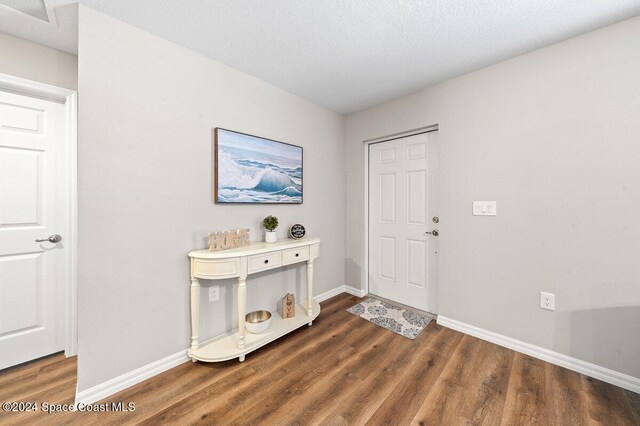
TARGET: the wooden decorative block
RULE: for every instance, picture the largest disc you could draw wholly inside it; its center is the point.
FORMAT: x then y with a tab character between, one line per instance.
288	306
228	239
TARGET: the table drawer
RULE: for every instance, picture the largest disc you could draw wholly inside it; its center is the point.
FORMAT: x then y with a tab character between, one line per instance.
216	269
295	255
262	262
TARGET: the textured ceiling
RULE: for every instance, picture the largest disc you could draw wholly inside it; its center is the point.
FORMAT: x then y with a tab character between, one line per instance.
350	55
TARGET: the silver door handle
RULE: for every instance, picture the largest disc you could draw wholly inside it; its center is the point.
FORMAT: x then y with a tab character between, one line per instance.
55	238
435	233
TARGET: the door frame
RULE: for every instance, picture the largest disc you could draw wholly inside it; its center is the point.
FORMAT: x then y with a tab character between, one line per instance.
365	145
69	98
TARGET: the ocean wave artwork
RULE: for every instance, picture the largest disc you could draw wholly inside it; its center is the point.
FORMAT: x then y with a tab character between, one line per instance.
250	169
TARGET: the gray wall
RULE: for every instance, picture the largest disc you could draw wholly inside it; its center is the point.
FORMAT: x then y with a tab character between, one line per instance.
554	137
147	108
22	58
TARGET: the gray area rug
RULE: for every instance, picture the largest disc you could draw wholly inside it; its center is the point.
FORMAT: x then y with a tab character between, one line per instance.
399	320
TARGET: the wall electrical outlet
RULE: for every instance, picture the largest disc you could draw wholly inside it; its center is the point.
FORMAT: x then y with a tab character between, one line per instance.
548	301
214	293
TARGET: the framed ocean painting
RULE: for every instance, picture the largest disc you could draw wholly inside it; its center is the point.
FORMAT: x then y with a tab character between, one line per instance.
250	169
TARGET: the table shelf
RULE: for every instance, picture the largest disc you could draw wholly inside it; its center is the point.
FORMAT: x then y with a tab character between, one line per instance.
225	347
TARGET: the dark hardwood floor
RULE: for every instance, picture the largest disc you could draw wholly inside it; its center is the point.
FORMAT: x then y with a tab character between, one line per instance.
342	371
51	379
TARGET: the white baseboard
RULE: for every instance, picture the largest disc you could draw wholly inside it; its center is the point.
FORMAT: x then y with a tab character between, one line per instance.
329	294
339	290
355	291
601	373
145	372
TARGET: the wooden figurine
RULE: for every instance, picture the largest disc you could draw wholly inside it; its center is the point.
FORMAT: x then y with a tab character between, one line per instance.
244	236
216	241
228	239
288	306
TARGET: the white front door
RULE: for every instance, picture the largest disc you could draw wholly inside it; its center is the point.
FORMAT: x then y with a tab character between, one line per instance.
403	264
33	167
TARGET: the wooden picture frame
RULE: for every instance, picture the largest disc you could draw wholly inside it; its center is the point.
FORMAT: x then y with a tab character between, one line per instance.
251	169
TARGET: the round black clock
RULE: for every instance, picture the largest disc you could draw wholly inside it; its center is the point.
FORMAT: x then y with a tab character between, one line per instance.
297	231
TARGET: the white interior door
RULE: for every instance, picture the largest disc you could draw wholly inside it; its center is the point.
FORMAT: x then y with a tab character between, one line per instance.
33	206
403	207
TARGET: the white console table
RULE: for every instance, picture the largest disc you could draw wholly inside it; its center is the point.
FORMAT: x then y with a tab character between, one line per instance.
239	263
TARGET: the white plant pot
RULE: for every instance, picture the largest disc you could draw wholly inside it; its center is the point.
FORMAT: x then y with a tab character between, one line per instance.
270	237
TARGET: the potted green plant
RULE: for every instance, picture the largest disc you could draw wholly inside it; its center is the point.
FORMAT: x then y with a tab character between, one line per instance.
270	223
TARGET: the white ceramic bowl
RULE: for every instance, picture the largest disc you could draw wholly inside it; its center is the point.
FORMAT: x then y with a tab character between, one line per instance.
257	322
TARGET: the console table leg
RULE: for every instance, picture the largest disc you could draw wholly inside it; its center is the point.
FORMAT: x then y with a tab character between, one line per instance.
310	288
242	300
195	313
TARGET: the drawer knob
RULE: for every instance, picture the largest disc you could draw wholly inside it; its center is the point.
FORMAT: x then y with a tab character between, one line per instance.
266	261
297	254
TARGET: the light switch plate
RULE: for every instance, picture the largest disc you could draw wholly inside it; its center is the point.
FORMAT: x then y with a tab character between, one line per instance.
485	208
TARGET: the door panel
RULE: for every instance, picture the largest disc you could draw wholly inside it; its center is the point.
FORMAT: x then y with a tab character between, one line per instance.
416	266
387	155
387	258
402	202
33	169
417	187
20	303
416	151
20	177
388	197
17	117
